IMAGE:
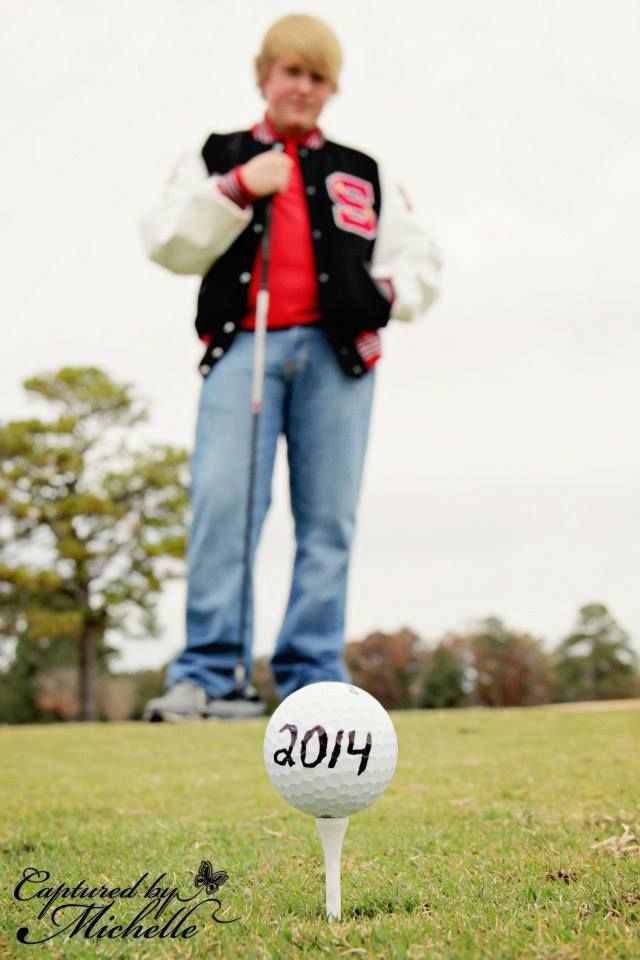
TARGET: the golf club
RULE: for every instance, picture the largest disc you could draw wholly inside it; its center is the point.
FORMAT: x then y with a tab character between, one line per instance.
257	385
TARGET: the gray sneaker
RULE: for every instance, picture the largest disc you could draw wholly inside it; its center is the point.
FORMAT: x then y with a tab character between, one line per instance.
184	701
237	705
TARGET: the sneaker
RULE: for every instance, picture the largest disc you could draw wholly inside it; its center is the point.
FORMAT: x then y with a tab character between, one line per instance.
237	705
184	701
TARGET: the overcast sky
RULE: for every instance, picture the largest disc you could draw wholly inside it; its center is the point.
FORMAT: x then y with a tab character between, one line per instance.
503	474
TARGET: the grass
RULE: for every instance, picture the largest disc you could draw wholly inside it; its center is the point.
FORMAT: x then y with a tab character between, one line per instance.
482	847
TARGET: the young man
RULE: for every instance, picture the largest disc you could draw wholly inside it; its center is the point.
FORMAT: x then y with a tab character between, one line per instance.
345	256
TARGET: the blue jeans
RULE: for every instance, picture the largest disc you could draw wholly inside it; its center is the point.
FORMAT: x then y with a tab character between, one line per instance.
324	415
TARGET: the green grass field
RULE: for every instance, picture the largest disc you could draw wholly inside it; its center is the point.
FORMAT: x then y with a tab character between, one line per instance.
482	847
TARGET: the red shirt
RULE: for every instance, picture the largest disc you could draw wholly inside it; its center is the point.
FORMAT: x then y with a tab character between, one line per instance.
293	291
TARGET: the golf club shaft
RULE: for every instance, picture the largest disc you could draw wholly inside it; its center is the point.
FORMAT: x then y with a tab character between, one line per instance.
257	389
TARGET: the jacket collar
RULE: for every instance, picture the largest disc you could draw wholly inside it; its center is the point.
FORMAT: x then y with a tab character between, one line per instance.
265	132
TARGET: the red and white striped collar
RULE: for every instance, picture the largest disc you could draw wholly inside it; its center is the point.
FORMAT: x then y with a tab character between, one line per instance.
265	132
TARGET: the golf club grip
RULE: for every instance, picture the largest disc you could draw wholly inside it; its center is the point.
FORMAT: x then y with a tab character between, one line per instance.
257	383
266	232
262	308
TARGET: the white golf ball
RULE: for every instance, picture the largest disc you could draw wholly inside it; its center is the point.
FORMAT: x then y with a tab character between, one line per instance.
330	749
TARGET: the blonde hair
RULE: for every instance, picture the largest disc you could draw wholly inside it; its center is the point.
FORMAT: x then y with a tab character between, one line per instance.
308	37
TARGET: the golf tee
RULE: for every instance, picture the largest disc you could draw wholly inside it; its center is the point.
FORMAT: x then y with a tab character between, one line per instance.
332	831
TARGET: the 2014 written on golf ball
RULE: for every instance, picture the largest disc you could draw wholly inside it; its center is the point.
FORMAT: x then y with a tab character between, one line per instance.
330	749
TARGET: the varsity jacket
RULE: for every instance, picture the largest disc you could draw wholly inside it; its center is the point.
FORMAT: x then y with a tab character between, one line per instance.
362	230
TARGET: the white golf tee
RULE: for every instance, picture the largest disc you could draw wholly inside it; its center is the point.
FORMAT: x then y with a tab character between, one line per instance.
332	831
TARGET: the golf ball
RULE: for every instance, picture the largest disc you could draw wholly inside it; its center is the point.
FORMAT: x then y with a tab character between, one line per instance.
330	749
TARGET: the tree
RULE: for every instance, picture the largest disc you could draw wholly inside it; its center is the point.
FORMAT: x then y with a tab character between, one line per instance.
511	668
444	678
386	665
596	661
90	527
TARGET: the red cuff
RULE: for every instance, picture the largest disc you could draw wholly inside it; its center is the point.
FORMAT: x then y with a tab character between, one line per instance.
369	347
243	186
233	187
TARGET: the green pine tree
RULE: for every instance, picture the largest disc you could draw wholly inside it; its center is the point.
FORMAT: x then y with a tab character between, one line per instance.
444	682
90	526
596	661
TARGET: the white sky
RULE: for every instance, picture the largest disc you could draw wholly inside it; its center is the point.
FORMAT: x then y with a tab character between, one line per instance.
503	471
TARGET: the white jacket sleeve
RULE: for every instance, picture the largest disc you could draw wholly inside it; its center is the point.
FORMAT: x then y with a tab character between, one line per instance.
194	223
404	254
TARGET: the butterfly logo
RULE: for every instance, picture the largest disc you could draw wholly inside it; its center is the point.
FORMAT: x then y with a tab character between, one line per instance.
205	877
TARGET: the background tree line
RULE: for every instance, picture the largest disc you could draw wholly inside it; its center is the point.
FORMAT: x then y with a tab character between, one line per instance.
492	665
91	527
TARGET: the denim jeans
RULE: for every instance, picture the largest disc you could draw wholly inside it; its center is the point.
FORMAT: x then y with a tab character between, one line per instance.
324	415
